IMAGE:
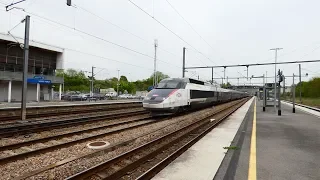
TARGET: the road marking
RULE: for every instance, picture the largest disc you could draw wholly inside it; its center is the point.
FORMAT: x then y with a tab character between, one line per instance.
252	174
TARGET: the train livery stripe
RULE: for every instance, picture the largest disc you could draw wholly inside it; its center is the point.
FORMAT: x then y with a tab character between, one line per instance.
172	92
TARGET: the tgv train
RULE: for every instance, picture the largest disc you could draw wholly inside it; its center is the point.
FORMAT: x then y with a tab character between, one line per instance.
173	95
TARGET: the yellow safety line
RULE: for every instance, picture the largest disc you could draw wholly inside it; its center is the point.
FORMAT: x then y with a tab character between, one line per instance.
252	174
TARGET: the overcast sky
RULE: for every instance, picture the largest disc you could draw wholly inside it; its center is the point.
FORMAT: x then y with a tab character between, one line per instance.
222	33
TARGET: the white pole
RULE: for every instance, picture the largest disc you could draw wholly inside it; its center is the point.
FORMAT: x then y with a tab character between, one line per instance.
266	76
52	94
155	63
9	91
60	89
118	85
275	76
38	92
275	79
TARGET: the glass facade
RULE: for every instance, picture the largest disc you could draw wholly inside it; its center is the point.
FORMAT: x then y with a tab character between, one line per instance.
41	62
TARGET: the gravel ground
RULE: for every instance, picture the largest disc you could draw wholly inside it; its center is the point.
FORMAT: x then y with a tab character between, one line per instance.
20	167
72	138
34	162
43	134
81	164
70	116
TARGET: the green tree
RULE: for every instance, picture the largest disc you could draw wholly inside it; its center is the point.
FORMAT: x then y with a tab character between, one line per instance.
309	89
142	85
226	85
123	78
74	80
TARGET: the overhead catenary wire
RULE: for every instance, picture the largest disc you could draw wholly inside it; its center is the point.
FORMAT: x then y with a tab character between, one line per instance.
191	27
88	34
312	72
144	68
313	50
167	28
96	37
117	26
288	53
110	59
106	58
195	52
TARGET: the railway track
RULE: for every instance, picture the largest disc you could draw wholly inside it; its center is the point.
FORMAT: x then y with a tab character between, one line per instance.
32	127
308	107
152	156
13	114
51	143
158	136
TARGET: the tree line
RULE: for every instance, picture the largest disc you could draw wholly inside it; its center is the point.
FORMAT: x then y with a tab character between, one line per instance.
309	89
77	81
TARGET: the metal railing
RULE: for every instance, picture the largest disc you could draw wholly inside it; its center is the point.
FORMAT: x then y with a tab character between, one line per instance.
17	76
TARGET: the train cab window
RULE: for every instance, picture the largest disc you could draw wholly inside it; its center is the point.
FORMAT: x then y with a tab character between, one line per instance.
170	84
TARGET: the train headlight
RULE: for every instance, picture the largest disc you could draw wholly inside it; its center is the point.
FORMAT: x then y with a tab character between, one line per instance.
146	98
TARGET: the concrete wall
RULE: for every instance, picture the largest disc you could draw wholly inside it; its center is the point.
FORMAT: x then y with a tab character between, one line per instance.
16	91
3	90
60	60
17	88
249	90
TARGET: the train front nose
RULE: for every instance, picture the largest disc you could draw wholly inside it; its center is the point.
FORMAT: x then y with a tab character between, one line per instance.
154	100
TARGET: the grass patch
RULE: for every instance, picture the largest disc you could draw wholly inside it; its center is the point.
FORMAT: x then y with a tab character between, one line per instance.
314	102
231	148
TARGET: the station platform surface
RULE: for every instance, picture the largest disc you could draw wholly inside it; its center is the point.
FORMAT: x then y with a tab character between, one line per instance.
4	105
266	146
202	160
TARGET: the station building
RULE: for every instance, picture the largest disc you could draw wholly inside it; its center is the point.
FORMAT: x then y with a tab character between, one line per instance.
43	62
246	88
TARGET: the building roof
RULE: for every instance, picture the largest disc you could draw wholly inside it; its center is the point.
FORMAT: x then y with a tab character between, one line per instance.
32	43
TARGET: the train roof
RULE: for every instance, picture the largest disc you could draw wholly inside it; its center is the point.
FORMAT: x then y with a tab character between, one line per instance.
188	80
195	81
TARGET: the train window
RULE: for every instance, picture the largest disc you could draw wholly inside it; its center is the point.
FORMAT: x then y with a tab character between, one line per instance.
196	81
160	93
170	84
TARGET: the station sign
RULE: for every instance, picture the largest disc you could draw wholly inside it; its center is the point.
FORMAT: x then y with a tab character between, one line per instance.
40	81
38	77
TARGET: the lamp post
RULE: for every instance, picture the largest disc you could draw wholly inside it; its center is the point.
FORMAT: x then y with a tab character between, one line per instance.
275	74
264	89
118	85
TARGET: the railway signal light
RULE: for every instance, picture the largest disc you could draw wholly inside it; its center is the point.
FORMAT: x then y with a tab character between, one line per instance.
280	76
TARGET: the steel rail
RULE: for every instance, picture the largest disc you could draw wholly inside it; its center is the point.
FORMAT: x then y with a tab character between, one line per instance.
162	164
90	154
305	106
66	144
98	170
108	149
36	127
63	111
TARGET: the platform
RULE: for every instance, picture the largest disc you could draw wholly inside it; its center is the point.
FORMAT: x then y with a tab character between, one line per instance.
271	147
64	103
307	109
287	147
202	160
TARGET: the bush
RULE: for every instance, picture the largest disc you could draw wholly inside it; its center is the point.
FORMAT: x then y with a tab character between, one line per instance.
310	89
